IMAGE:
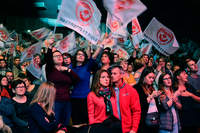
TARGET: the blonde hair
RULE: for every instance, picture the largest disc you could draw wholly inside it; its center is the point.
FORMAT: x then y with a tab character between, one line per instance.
45	95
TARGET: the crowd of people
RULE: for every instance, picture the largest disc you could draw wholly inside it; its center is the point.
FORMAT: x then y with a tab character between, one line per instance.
98	92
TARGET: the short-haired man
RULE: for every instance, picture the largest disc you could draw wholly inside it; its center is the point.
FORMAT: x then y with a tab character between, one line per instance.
3	68
128	102
193	77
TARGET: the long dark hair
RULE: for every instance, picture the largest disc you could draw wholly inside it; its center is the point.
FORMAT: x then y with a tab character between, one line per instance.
74	61
109	56
175	79
141	83
145	72
96	82
1	77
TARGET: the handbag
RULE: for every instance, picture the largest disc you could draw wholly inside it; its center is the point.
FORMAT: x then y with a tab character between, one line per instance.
153	117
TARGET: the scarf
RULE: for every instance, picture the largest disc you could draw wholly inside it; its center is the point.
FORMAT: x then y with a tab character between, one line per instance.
106	94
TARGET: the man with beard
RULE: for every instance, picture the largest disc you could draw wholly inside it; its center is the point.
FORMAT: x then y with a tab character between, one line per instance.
193	77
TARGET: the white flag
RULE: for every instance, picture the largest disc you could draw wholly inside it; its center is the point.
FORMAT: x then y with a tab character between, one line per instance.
35	69
125	10
109	41
82	16
30	51
114	24
120	51
1	44
4	35
41	33
67	45
137	35
162	38
145	48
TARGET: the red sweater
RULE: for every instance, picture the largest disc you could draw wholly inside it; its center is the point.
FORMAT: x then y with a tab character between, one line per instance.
63	80
97	108
4	93
129	108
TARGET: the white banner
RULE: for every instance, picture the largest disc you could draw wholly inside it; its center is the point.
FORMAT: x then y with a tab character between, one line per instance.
35	69
30	51
82	16
3	33
162	38
120	51
116	27
41	33
109	41
137	35
125	10
145	48
67	45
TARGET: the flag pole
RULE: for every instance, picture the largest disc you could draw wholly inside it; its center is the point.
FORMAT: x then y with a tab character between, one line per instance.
54	30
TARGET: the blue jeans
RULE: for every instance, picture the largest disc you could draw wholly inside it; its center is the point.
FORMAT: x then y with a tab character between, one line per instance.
175	129
62	112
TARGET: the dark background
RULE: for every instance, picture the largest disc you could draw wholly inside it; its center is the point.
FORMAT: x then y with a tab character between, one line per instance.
181	16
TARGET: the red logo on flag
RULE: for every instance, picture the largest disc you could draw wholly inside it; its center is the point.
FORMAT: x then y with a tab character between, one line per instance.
120	40
84	12
135	27
164	36
121	53
122	5
114	25
3	34
38	34
31	51
64	43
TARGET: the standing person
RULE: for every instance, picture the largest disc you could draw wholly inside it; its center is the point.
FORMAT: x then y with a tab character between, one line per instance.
139	66
128	77
169	117
148	98
106	60
4	87
193	77
82	66
31	88
128	102
63	78
10	77
21	104
67	59
190	101
3	67
101	103
161	68
41	114
116	58
16	67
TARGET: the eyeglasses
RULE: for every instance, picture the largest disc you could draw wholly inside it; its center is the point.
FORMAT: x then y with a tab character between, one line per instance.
20	87
57	56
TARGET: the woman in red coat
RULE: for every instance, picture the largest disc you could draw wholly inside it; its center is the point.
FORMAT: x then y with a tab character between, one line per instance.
102	106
